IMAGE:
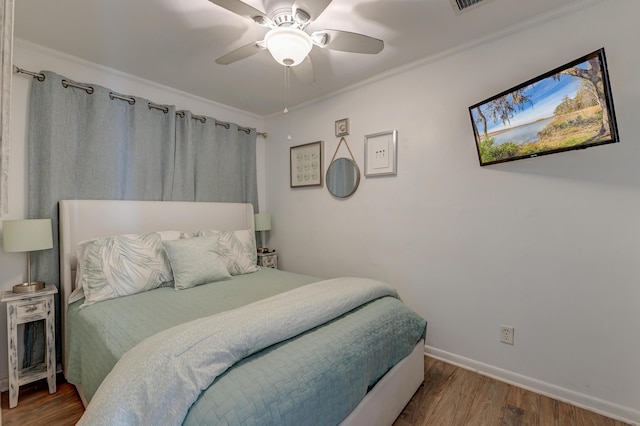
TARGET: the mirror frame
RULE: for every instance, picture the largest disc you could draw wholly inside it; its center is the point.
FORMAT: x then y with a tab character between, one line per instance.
355	185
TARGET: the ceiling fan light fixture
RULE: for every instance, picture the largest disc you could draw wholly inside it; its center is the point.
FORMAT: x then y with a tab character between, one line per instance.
320	38
301	17
263	21
288	46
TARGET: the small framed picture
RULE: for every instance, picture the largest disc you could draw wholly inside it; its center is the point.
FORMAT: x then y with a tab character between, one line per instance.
381	154
306	165
342	127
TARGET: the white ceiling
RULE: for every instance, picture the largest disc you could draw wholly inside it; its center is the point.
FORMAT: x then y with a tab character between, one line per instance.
176	42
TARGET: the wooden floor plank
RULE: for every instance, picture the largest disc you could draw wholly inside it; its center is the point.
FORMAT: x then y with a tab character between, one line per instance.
589	418
437	382
512	416
549	412
488	403
426	399
526	404
448	405
37	407
566	414
450	396
469	383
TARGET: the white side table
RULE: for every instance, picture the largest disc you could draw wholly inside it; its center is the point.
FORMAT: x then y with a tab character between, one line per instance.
268	260
23	308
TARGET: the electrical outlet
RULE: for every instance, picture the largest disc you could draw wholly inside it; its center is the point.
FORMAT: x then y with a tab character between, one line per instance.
506	334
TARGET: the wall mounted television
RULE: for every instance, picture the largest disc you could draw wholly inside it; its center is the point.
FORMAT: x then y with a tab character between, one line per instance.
567	108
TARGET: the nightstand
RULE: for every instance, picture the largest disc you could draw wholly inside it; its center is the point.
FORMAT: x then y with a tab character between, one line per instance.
268	260
23	308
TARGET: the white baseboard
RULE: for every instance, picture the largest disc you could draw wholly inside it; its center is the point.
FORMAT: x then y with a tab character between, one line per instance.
606	408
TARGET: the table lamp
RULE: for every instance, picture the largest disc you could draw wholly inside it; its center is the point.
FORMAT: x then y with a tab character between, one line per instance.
263	223
27	235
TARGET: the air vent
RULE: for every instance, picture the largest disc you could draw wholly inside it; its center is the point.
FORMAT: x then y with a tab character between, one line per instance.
460	6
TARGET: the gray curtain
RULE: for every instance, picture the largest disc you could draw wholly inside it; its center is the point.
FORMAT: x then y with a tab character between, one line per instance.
93	146
214	162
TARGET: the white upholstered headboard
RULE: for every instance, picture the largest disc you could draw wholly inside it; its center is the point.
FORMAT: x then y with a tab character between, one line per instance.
85	219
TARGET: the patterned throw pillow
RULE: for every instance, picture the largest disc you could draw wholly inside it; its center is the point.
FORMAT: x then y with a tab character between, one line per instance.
237	249
122	265
194	261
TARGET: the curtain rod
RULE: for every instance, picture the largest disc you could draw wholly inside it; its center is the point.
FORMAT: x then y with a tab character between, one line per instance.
40	77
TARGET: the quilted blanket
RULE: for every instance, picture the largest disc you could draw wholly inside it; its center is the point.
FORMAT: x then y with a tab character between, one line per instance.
158	380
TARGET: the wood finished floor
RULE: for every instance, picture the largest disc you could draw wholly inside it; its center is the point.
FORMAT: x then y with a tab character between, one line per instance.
454	396
451	396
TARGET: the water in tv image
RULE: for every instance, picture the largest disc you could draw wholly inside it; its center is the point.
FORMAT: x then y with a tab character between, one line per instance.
564	109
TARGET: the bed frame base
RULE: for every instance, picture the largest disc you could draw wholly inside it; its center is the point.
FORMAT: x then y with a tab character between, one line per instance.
384	403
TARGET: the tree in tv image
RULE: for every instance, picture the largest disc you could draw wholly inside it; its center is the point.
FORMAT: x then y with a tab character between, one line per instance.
567	108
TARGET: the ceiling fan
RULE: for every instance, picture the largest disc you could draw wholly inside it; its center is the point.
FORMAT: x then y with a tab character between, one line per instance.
287	39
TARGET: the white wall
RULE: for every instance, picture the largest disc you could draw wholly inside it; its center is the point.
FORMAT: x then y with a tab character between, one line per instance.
549	245
35	58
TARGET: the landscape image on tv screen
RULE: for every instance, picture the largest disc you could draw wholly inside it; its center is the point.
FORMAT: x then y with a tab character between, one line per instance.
568	108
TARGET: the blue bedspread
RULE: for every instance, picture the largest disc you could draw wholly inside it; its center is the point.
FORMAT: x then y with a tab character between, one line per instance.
315	378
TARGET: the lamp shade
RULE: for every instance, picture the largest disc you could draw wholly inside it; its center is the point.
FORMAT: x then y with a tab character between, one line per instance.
26	235
288	46
263	222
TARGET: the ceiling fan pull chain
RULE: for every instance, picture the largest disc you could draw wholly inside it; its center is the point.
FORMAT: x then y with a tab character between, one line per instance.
286	89
286	98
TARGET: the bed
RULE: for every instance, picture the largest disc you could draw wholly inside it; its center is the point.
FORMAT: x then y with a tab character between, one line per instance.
352	367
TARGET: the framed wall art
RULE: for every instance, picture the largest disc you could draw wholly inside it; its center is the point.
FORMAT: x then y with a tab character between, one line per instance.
342	127
567	108
381	154
306	165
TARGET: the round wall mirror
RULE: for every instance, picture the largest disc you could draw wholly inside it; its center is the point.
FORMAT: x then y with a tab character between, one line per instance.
343	177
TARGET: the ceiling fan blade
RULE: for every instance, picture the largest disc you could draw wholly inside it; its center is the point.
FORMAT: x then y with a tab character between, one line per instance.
346	41
313	7
304	71
240	53
241	8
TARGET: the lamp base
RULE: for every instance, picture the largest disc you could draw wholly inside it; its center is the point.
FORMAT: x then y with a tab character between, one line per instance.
30	287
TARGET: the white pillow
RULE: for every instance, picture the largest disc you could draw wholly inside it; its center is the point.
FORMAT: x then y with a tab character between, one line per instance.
237	249
122	265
